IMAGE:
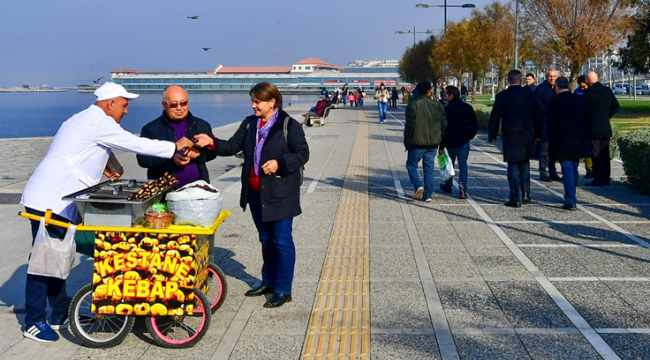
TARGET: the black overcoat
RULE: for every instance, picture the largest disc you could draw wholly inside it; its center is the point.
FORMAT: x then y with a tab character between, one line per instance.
280	192
568	127
602	106
514	110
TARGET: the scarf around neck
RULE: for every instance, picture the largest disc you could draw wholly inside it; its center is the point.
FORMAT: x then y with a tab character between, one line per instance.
260	138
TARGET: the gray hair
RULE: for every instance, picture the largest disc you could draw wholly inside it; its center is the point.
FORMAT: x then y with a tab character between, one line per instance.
164	95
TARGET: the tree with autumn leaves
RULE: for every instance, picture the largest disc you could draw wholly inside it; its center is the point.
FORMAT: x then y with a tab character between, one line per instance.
571	30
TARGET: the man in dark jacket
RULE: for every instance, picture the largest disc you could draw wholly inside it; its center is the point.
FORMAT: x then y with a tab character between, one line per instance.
462	126
568	129
602	106
425	126
514	109
530	82
175	122
544	93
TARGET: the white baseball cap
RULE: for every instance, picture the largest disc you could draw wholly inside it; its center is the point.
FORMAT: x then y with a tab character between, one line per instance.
111	90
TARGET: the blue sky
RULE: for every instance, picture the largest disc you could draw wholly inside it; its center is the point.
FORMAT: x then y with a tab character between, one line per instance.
70	42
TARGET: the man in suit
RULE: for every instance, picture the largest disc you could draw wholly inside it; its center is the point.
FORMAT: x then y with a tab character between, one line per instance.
568	136
514	110
530	82
602	106
544	93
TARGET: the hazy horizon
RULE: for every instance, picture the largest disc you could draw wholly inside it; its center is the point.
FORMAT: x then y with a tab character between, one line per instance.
72	42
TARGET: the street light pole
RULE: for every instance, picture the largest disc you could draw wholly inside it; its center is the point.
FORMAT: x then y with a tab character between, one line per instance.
445	6
516	34
445	16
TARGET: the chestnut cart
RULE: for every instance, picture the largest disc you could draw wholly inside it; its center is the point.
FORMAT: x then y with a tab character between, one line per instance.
163	275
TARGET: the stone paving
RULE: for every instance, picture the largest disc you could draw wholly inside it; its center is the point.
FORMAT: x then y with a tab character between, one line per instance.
450	279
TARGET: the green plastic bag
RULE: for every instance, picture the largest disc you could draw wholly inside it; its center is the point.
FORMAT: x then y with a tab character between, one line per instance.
445	167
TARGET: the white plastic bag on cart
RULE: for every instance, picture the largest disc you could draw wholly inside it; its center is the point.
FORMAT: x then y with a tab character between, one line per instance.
51	256
195	206
445	167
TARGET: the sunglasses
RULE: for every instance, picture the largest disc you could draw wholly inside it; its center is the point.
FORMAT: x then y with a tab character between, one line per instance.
174	105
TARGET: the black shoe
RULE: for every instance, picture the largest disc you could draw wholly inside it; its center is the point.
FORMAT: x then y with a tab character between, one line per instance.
545	178
589	175
259	291
463	195
594	183
445	188
277	300
525	198
555	177
568	206
512	203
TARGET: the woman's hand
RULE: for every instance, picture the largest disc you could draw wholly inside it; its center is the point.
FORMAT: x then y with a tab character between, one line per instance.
192	153
203	140
270	167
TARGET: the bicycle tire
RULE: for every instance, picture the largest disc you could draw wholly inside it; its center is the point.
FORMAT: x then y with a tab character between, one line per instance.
184	331
95	331
218	287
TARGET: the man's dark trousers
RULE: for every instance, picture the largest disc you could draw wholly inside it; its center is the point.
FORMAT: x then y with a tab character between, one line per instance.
518	179
601	165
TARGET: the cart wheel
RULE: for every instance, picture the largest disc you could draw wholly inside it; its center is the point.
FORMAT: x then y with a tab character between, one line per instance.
181	331
218	287
104	331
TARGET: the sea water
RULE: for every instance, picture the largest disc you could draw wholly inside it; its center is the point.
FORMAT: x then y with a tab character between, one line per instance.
41	114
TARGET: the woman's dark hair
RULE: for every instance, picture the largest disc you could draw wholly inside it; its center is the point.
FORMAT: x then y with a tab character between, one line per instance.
266	91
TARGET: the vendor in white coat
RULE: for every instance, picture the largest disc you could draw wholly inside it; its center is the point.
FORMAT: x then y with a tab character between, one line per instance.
76	160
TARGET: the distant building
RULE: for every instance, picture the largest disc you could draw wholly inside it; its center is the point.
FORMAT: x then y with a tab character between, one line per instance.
309	75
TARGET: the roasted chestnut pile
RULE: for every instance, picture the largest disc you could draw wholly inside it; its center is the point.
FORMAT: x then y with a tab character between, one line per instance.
153	187
204	187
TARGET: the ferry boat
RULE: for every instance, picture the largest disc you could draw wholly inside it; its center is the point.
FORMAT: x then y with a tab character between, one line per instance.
306	76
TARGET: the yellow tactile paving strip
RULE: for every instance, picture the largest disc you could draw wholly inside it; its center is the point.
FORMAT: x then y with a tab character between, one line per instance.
339	326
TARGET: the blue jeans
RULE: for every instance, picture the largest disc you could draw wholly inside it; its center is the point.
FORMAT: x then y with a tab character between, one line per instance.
570	180
39	290
462	153
427	156
382	110
278	250
345	99
518	179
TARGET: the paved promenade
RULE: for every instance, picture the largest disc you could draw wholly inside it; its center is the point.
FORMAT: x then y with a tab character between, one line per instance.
382	276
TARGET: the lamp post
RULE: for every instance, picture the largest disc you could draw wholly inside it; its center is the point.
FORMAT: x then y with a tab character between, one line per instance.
445	6
414	32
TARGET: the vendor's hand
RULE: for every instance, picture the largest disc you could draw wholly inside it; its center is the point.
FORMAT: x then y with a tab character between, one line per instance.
183	143
113	175
536	141
440	151
181	160
493	141
203	140
270	167
192	153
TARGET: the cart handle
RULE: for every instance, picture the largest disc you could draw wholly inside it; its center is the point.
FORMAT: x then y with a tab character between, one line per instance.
47	216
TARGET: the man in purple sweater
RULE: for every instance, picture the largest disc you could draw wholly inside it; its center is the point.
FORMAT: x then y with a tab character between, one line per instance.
176	122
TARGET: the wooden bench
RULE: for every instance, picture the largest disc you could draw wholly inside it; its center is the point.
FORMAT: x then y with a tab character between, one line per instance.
321	120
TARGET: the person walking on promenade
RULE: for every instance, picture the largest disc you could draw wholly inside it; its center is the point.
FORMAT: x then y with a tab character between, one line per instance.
318	110
425	126
177	122
275	150
352	99
394	96
530	82
344	94
568	136
382	95
463	92
462	126
359	98
514	110
442	97
76	159
545	92
580	90
602	106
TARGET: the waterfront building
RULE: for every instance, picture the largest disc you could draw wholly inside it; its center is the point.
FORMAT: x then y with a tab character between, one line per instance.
305	76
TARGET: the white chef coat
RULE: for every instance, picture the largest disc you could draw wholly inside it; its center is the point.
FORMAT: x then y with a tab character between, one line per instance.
77	158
